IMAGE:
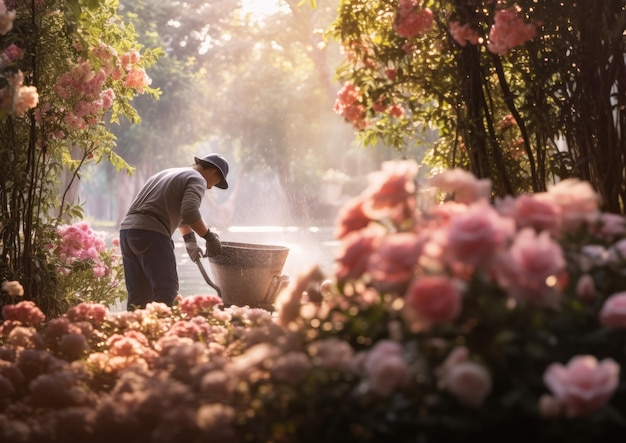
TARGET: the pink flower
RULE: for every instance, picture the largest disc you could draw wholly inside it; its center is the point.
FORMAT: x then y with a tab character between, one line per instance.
534	211
476	235
396	111
92	312
463	34
578	201
391	191
354	252
392	263
137	79
79	242
199	304
532	269
348	104
331	354
26	97
130	58
411	21
465	187
385	367
584	384
351	218
25	312
613	312
468	381
432	299
509	31
11	53
291	368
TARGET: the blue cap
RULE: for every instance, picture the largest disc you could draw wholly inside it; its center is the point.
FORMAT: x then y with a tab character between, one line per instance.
220	163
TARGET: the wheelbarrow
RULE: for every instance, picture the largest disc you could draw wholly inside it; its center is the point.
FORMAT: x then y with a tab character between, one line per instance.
247	274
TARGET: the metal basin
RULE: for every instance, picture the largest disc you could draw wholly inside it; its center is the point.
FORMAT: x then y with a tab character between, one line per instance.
249	274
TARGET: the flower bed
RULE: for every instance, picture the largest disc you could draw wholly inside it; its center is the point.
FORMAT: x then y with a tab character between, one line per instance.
449	318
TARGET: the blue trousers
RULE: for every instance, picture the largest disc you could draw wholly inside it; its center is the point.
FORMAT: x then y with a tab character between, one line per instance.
149	268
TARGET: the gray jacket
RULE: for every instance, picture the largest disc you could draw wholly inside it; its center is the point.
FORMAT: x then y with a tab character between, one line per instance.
168	199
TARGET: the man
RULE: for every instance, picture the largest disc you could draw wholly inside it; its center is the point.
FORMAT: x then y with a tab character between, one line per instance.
169	200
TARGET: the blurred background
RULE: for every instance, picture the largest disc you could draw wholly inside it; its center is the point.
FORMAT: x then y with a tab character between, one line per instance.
254	81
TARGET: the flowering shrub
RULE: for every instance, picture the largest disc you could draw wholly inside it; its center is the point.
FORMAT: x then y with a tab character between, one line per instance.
448	319
494	87
15	98
90	271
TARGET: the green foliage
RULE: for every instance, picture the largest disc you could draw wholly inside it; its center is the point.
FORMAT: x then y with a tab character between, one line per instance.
81	283
501	116
42	153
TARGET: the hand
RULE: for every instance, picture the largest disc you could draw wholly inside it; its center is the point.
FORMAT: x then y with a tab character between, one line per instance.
213	244
194	251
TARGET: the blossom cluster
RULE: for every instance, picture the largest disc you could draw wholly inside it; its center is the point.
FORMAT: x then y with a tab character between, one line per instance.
78	242
90	268
15	97
348	104
448	317
509	31
523	250
87	86
411	20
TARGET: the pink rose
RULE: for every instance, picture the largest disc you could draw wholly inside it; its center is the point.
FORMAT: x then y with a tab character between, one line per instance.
351	218
613	312
391	265
577	199
537	212
533	269
433	299
386	368
354	252
584	384
465	187
476	235
468	381
391	191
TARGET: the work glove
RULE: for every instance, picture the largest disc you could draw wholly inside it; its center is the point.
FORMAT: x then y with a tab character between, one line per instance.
194	251
213	244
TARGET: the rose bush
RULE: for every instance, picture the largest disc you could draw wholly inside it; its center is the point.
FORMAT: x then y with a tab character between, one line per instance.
445	321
